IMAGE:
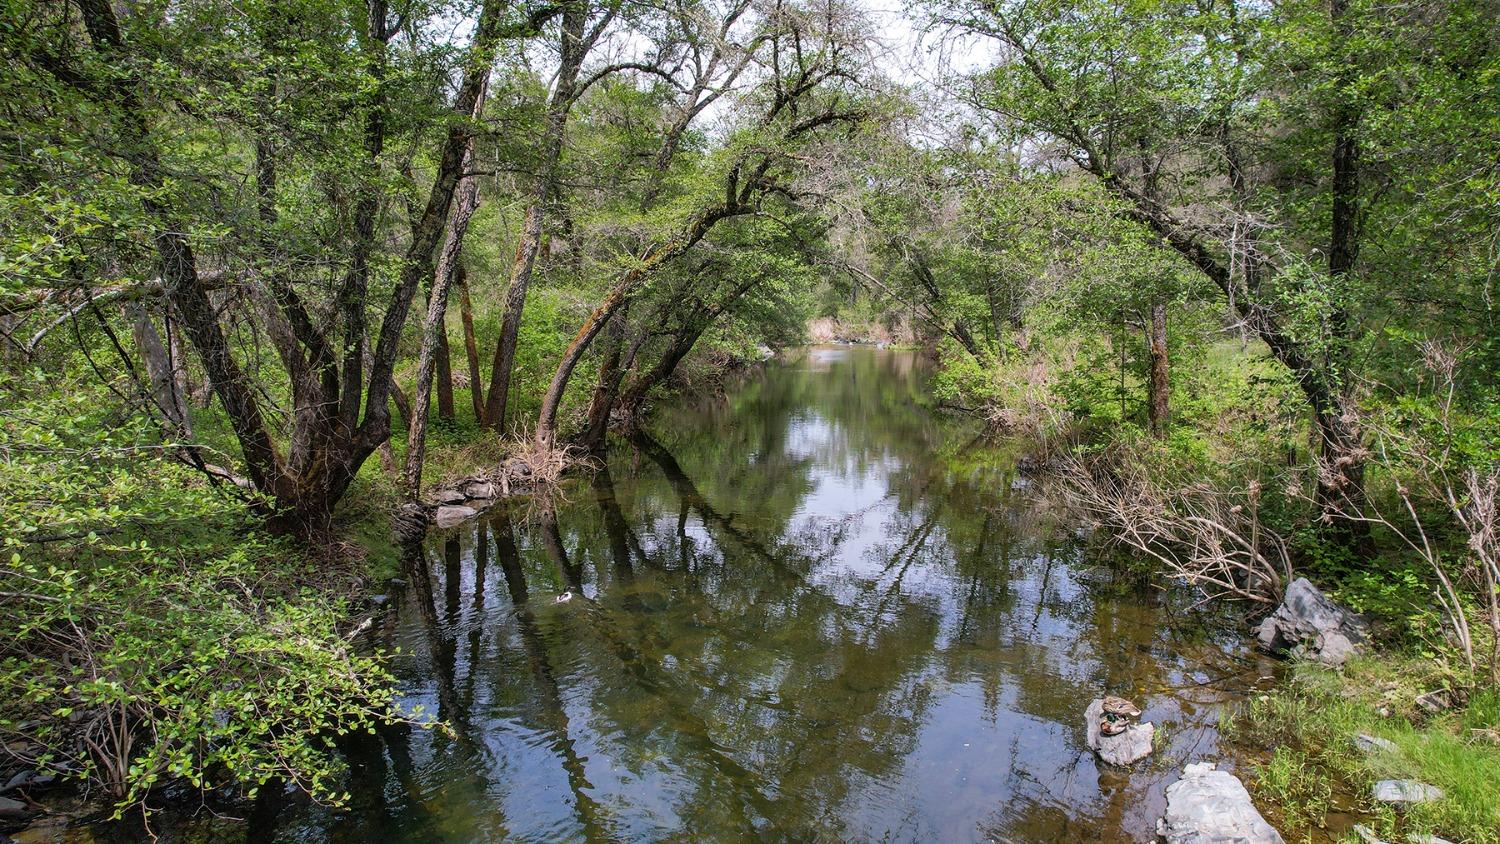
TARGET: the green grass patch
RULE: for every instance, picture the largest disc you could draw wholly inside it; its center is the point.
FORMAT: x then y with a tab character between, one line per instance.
1308	764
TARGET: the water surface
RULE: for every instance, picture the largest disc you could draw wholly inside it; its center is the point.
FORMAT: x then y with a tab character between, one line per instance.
810	610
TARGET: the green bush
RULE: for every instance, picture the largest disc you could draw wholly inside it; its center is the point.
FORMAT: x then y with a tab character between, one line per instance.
152	633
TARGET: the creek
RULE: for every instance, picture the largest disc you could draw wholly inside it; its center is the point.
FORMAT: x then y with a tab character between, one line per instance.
810	609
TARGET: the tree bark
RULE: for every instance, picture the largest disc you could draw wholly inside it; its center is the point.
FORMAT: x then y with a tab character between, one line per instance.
353	293
166	394
602	403
1341	488
471	347
325	452
444	374
1160	383
682	343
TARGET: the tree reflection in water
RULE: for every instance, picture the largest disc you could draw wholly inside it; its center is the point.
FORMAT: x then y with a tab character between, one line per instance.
808	610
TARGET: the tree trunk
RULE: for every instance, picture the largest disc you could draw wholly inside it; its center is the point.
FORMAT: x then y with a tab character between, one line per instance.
354	292
165	395
434	348
618	295
1160	383
1341	474
635	394
328	454
444	375
471	347
605	391
543	184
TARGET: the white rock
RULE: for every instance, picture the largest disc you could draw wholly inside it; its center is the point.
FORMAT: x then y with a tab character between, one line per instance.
1306	618
1367	835
1404	792
449	515
1209	806
1374	744
1128	747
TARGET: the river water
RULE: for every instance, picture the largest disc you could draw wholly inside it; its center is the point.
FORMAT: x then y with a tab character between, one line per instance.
809	610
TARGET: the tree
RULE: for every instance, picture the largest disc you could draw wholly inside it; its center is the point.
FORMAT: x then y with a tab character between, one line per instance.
811	55
1179	111
117	75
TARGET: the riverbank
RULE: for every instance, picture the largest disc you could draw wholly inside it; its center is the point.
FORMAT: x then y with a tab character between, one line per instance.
174	648
1323	739
802	512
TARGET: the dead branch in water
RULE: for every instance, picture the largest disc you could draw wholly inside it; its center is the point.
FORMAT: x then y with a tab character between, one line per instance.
1209	537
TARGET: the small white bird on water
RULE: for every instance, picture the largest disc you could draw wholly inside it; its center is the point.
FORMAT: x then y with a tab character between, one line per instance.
563	598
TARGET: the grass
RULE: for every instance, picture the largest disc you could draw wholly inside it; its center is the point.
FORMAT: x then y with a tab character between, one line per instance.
1309	766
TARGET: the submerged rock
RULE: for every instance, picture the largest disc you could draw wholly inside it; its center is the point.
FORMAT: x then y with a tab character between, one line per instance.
449	515
1404	792
1112	736
1306	618
1209	806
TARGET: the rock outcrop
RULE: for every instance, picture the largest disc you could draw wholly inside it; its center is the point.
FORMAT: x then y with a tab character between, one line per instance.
1209	806
1307	620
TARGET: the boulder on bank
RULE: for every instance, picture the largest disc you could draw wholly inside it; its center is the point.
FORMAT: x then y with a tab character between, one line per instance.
1373	744
481	489
1404	792
449	515
1306	618
14	809
1112	736
449	496
1209	806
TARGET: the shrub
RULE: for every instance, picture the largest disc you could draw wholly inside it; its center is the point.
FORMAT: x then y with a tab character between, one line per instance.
153	635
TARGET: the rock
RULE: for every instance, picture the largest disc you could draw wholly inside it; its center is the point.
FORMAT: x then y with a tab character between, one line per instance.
1374	744
14	808
1110	734
1209	806
480	489
1404	792
449	496
1306	618
449	515
380	601
27	778
1427	839
1367	835
1434	701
